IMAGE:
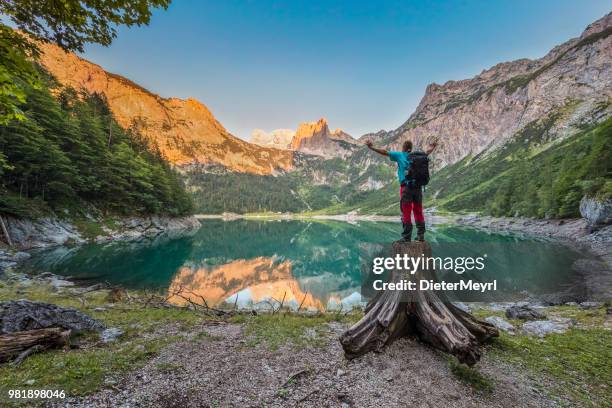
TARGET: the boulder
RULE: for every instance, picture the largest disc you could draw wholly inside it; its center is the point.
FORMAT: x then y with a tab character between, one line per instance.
590	305
21	315
110	335
541	328
523	313
501	324
596	212
21	256
43	232
10	259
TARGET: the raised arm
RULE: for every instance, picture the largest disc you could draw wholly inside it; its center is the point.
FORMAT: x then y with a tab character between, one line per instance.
377	150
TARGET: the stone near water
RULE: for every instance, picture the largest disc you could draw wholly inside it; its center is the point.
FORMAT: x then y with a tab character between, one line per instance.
524	313
590	305
111	335
52	231
59	283
501	324
21	256
498	307
596	212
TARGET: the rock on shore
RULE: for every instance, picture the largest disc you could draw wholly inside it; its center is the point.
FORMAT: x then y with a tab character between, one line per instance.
47	232
20	315
137	227
597	213
575	230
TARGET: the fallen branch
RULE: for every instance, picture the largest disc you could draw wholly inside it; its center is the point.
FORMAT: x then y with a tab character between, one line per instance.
302	302
26	353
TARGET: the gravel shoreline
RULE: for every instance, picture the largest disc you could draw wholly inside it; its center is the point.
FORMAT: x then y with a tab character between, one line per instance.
219	370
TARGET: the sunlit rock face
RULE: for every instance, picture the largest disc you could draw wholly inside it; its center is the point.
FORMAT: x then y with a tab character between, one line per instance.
254	280
184	129
316	138
311	137
474	115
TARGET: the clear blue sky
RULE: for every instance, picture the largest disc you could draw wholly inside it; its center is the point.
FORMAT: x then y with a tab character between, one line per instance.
363	65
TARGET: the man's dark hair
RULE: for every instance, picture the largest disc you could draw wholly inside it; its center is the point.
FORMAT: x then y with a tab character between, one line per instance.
407	146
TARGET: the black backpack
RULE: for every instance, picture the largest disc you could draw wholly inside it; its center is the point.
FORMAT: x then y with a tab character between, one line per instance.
418	172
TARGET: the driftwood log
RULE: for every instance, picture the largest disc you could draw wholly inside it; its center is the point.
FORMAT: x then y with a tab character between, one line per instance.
17	346
427	315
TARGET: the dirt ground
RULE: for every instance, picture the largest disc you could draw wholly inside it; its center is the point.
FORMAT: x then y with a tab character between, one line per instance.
219	369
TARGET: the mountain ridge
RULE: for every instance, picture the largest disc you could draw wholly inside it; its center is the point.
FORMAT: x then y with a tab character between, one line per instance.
472	115
310	137
185	130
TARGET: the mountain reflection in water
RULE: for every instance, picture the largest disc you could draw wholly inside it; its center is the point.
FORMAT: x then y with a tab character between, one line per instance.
252	262
245	282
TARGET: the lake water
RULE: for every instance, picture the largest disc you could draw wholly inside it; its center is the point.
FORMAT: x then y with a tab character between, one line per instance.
313	263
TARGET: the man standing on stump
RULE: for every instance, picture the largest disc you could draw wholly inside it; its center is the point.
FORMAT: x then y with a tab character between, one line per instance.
413	175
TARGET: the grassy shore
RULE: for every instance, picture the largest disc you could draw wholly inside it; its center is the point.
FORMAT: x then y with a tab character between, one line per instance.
575	366
147	329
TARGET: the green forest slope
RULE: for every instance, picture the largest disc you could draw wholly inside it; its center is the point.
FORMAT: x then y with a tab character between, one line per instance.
337	187
69	153
530	175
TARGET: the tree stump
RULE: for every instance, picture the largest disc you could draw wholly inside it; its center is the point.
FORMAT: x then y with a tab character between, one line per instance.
20	344
429	316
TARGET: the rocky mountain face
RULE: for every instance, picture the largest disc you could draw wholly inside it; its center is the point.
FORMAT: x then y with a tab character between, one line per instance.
279	138
340	134
311	138
473	115
185	131
316	138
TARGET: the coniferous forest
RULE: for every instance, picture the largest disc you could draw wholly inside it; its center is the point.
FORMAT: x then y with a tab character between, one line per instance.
69	152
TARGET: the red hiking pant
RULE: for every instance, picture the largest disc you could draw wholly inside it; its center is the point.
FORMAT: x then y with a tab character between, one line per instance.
411	200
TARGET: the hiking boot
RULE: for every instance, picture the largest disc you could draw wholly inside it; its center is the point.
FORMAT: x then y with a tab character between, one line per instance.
407	233
420	231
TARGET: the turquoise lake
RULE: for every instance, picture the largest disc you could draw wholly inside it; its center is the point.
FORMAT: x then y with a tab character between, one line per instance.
314	263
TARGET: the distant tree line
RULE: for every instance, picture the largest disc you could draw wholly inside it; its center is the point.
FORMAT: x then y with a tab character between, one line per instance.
243	193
